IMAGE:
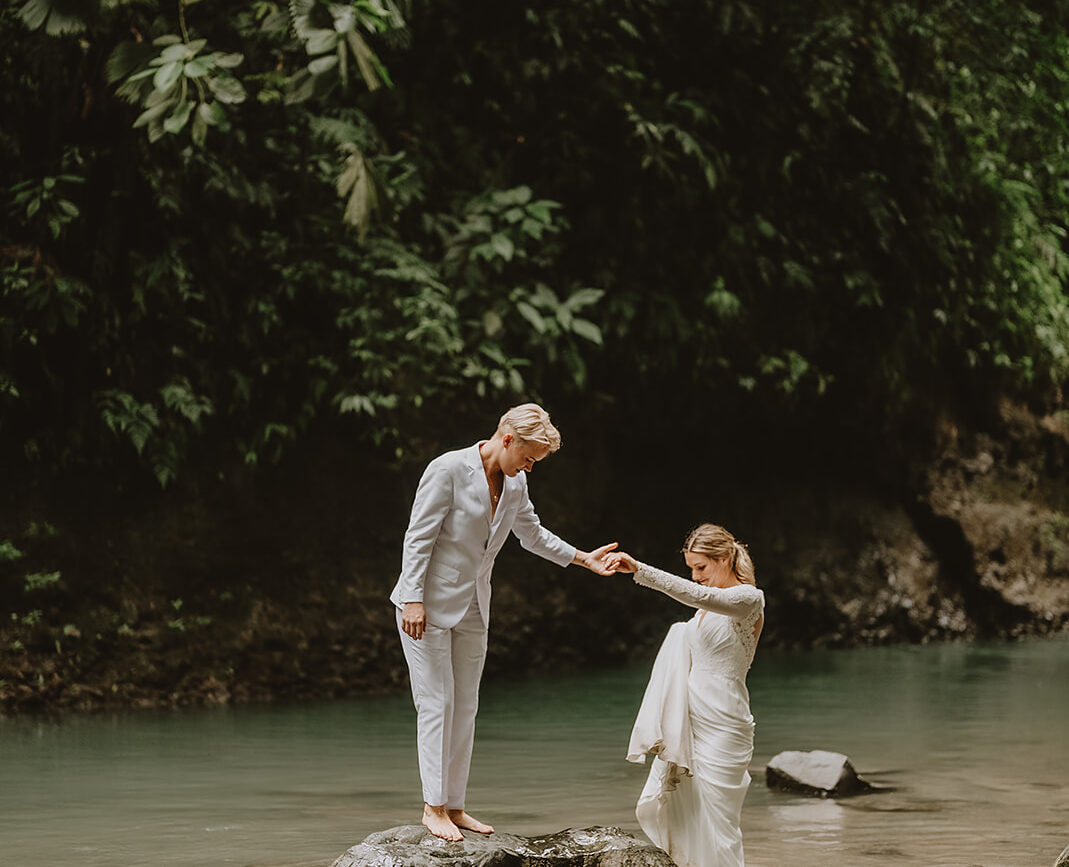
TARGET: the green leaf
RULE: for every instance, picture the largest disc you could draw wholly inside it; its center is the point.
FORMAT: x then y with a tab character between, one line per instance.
8	552
517	196
176	53
125	58
584	298
322	64
227	89
35	13
587	330
542	210
765	227
199	130
41	581
211	113
63	16
321	41
197	68
227	61
503	246
300	87
151	114
166	76
531	315
726	304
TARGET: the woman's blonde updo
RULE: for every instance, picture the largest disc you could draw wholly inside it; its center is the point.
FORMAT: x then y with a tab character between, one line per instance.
717	543
530	423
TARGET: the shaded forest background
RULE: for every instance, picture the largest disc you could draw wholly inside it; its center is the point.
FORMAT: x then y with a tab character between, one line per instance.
795	267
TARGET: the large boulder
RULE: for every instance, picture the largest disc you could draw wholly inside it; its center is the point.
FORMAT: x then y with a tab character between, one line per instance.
415	846
817	773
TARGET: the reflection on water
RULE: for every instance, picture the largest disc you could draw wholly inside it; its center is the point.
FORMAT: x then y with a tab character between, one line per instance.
818	822
973	740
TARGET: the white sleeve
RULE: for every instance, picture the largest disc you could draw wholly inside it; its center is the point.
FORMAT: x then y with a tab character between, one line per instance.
434	499
536	538
739	602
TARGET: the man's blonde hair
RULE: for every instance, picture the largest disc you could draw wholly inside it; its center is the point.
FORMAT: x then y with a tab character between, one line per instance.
530	423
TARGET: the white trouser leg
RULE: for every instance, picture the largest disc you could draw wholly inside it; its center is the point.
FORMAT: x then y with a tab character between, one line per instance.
445	667
469	654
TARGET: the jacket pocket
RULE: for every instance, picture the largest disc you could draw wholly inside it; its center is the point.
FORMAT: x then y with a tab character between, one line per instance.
446	574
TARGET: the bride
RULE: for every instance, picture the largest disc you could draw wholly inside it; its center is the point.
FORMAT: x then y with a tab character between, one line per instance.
695	716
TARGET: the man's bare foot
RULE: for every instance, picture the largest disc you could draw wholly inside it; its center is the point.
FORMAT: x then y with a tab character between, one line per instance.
463	820
439	823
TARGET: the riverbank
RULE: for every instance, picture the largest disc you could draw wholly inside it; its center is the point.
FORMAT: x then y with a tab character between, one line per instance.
276	590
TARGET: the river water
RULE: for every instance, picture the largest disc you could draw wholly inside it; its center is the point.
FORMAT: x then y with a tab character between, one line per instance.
972	740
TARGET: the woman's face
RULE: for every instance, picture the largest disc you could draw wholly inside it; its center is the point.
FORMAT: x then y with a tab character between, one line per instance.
709	572
521	455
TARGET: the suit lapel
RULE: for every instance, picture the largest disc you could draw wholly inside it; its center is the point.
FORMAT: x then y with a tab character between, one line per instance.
508	490
477	479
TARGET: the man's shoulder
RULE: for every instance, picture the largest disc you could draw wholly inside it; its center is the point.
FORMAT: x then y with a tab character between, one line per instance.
453	460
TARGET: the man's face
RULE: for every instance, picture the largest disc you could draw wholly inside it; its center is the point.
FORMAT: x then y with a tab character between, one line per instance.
521	455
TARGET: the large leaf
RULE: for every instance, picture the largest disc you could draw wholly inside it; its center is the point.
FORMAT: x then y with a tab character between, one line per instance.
179	118
587	330
59	17
152	113
365	59
357	181
167	76
227	89
321	41
125	58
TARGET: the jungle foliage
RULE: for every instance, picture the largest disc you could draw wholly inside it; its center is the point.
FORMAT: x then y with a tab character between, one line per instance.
228	224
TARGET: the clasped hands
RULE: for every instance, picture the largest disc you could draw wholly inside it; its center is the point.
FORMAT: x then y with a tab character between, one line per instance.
605	560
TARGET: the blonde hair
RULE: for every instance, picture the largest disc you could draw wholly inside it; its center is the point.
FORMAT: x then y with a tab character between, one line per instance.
530	423
715	542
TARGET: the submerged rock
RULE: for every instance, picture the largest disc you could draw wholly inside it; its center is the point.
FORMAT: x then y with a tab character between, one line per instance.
415	846
818	773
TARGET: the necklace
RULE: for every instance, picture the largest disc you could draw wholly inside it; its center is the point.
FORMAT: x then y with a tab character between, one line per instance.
494	494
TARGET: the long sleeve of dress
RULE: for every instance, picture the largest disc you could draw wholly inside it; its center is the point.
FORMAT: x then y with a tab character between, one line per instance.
738	602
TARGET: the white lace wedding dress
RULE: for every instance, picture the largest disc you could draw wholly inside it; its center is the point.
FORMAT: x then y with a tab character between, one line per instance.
695	718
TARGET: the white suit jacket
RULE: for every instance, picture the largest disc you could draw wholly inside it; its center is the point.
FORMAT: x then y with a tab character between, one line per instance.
451	542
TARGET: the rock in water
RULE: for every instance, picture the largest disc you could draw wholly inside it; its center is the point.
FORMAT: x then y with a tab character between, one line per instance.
1063	859
818	773
415	846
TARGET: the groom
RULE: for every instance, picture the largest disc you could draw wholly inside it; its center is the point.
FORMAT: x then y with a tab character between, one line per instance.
465	506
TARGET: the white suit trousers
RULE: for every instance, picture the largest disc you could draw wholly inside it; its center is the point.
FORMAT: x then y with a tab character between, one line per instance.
445	667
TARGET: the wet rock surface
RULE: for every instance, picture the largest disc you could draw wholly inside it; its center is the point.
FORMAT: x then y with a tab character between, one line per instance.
1063	859
817	773
415	846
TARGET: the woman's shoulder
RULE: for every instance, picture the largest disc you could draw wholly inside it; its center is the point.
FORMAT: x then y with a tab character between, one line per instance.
745	593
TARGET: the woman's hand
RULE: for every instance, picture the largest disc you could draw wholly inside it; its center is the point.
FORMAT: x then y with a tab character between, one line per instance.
622	562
